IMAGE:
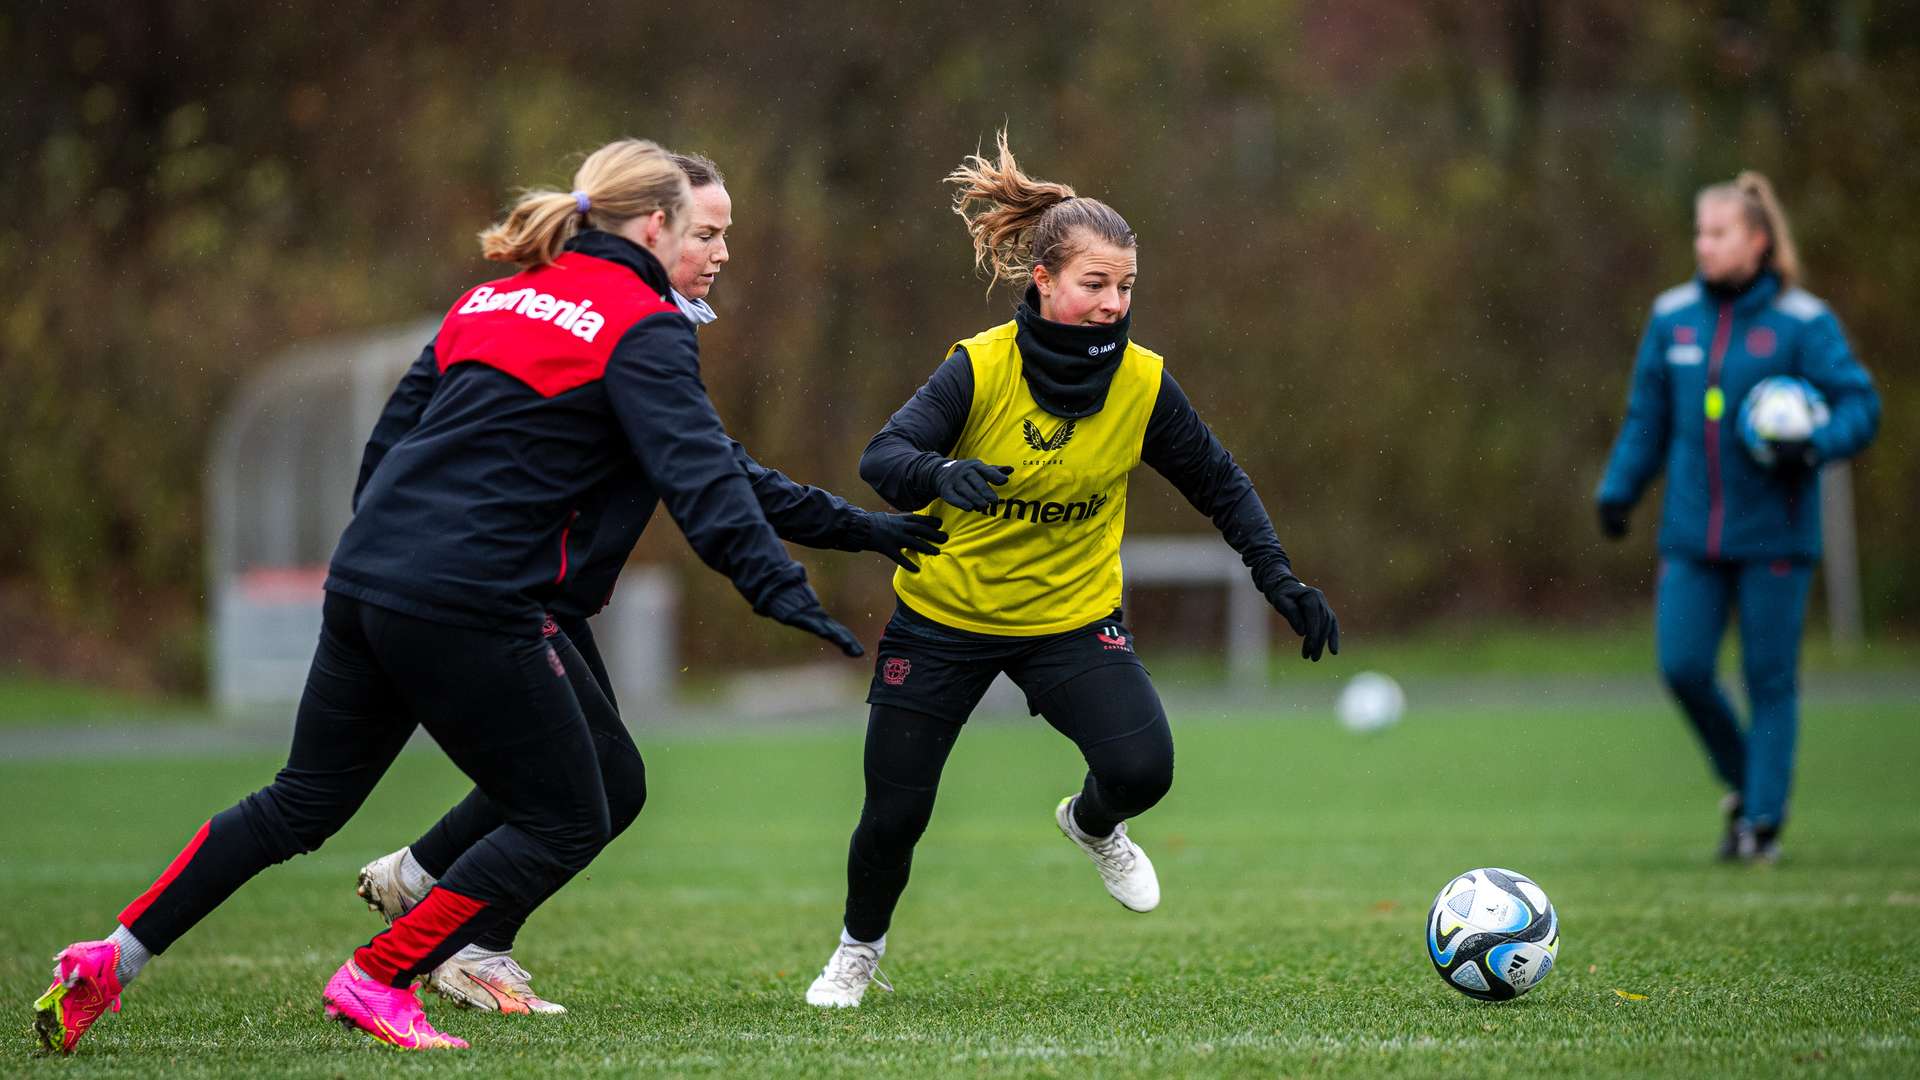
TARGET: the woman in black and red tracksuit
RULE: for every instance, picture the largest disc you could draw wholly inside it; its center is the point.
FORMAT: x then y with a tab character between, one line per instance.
484	975
550	382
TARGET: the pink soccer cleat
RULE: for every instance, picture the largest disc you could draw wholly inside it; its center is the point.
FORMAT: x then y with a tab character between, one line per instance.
85	984
387	1014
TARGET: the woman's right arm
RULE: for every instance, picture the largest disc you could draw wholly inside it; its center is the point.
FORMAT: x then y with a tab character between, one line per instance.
901	460
800	513
1641	448
401	415
653	384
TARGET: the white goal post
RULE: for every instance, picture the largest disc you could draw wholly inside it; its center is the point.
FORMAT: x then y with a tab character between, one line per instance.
1206	560
279	490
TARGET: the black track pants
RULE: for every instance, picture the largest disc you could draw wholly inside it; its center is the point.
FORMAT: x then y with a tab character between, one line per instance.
1111	713
622	772
501	707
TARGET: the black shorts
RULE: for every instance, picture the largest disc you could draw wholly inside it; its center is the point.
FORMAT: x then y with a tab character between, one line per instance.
943	671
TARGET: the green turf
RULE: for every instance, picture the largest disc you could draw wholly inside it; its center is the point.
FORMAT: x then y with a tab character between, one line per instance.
30	702
1520	649
1296	860
1497	649
1479	649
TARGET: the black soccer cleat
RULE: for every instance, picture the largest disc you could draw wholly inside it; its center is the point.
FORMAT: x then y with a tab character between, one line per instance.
1759	844
1729	849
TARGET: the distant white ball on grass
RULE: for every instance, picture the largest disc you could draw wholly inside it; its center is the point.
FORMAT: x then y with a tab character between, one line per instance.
1492	934
1371	701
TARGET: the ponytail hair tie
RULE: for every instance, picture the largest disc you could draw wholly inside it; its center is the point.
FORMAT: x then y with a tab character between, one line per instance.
581	201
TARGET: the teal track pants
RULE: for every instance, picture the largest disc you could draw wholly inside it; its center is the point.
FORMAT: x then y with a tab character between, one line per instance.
1693	602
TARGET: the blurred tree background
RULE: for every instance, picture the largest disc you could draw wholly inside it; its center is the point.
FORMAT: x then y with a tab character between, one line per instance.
1398	253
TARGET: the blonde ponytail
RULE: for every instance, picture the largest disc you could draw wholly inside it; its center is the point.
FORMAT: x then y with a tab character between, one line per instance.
622	180
1786	257
1026	222
1754	192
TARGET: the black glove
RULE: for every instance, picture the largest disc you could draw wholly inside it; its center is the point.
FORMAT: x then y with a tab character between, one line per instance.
893	535
1613	519
1793	457
799	608
1306	610
969	484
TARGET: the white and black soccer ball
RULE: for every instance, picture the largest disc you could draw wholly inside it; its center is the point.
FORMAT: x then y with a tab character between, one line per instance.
1492	934
1370	701
1780	408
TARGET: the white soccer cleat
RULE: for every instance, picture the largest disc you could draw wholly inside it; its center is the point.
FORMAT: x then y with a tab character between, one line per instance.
490	982
1124	869
844	981
382	888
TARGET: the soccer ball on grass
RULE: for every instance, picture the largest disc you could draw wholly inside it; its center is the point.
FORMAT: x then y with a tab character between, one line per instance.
1371	701
1492	934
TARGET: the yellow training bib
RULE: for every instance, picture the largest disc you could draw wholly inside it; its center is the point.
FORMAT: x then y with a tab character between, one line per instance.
1046	557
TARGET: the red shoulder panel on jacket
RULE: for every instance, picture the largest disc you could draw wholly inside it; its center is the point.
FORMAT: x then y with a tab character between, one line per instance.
552	327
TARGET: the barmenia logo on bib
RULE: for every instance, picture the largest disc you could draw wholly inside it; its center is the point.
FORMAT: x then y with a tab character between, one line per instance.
1046	513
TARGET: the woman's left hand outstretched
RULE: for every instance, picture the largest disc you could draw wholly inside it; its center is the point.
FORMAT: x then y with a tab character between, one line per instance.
893	535
1306	610
798	607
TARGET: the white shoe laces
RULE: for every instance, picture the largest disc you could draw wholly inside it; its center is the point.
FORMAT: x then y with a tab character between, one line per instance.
852	967
1114	853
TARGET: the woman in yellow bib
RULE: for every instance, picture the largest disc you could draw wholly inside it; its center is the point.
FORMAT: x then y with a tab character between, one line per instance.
1064	406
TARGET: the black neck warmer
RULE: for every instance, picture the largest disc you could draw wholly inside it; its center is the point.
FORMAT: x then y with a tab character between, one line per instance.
1728	291
1068	368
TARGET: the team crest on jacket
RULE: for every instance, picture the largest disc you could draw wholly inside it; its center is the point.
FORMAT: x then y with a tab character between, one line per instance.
895	669
1043	443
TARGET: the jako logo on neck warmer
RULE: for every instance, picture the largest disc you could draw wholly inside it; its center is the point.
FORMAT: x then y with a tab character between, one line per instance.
574	318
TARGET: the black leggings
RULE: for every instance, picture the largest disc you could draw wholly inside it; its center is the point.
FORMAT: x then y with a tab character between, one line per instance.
498	704
1111	713
622	773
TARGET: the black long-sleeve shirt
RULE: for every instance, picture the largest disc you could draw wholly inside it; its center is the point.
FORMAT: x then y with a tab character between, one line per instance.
901	460
537	389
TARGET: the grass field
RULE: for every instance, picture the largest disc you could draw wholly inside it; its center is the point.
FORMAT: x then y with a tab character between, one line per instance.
1297	862
29	702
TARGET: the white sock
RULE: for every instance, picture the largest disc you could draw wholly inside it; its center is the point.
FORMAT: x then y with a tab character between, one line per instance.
133	955
471	953
879	947
414	877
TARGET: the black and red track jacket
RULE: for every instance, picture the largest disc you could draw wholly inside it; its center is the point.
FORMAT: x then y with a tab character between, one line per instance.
550	382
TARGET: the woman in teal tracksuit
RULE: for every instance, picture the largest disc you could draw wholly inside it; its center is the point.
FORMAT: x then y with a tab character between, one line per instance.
1736	535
